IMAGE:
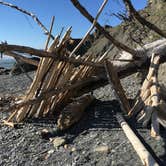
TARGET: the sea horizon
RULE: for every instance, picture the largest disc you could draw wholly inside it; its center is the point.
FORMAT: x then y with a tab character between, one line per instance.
7	62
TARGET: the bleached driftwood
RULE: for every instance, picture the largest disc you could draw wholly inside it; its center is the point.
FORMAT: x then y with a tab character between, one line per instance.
73	112
150	101
128	67
52	74
123	68
115	82
22	58
146	158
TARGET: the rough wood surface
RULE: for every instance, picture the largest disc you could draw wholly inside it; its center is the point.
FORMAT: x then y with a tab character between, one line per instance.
115	82
73	112
143	153
22	58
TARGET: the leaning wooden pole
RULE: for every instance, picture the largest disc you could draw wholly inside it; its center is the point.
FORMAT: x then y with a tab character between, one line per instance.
143	153
86	14
114	80
90	29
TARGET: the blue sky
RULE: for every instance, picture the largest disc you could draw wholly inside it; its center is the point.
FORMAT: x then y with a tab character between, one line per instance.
17	28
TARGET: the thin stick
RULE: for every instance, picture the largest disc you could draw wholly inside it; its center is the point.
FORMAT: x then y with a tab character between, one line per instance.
90	29
34	17
86	14
49	34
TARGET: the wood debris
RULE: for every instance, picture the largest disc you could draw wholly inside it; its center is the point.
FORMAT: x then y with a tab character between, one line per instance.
150	106
62	75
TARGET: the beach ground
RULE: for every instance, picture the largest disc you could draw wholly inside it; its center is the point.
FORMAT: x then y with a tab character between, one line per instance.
97	129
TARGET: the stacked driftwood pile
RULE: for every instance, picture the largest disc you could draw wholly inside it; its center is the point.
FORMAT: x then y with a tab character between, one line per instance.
63	77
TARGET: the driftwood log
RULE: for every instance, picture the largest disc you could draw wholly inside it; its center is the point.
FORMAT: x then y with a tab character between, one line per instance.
60	71
143	153
55	71
73	112
123	68
150	103
115	82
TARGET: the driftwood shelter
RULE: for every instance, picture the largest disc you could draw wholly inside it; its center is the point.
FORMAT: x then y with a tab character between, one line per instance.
63	81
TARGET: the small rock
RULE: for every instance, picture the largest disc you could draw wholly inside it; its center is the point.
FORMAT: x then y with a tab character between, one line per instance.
59	141
48	154
73	149
102	148
50	151
66	146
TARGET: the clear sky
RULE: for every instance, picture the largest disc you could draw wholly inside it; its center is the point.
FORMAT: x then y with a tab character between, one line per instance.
17	28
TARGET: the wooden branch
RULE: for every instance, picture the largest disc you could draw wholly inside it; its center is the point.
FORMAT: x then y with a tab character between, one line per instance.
49	35
142	152
10	124
22	58
42	53
142	20
50	93
114	80
34	17
90	29
154	132
148	49
86	14
73	112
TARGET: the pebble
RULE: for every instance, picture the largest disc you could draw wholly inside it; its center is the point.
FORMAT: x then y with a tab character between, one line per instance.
58	141
102	148
73	149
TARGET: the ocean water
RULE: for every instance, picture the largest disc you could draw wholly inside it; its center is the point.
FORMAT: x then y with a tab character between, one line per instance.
7	62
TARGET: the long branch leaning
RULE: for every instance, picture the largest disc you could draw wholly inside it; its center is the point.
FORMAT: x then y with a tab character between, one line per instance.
86	14
142	20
